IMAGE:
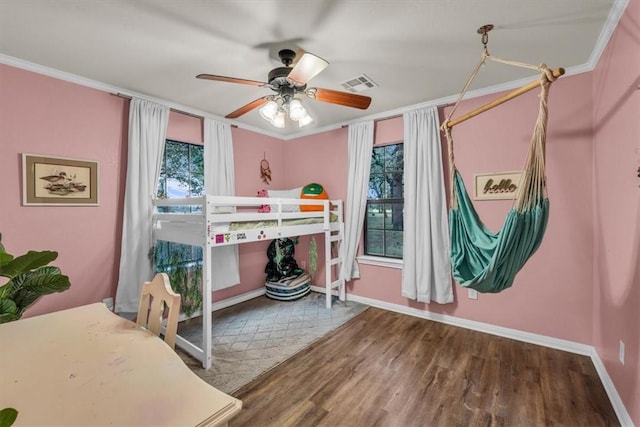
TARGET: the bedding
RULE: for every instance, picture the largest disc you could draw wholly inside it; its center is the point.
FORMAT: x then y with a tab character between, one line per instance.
286	194
221	227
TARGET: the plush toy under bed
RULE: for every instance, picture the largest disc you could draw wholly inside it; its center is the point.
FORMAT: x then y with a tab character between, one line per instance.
289	288
285	281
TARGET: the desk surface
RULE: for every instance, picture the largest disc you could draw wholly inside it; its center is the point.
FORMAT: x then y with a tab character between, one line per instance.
87	366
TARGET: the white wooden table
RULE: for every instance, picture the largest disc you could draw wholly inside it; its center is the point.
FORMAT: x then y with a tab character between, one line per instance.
87	367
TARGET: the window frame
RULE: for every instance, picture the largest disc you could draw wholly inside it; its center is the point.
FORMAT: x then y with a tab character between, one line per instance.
196	255
376	258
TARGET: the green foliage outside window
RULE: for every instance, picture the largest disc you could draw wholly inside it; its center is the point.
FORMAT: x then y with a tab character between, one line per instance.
181	175
182	171
184	273
384	222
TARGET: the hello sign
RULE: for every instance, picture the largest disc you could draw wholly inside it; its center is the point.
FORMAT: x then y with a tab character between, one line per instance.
496	186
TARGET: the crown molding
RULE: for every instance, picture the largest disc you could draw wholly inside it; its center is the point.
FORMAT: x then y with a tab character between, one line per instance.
114	90
616	12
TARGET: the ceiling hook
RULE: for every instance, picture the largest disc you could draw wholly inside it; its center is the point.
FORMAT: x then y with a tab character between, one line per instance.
484	30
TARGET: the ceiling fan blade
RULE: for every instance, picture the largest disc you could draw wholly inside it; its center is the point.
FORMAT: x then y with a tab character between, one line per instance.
307	68
246	108
340	98
230	80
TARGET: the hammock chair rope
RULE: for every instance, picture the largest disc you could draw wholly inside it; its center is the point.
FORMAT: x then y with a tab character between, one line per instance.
486	261
532	186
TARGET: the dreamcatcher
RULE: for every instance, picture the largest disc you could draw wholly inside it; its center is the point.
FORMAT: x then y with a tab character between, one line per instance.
265	171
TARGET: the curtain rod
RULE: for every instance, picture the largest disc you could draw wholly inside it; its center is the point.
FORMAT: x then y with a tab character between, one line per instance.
395	116
175	110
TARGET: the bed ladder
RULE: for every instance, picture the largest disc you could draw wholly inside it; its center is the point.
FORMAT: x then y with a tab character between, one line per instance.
333	265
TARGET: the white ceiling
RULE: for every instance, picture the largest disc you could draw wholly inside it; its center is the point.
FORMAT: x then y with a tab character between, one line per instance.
416	51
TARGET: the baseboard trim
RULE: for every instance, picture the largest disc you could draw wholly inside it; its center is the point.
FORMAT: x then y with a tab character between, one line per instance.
556	343
228	302
610	388
219	305
528	337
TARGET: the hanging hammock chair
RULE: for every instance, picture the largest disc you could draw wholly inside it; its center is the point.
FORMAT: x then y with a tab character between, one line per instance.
480	259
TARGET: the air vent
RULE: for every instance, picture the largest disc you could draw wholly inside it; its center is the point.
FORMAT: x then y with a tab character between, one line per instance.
359	84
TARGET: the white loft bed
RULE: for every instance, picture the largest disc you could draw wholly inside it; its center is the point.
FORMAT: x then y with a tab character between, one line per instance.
225	220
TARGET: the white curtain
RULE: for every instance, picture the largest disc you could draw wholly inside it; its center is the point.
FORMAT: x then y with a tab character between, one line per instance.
147	133
359	152
426	273
219	180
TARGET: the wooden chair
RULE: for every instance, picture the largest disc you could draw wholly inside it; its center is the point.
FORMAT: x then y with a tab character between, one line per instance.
153	296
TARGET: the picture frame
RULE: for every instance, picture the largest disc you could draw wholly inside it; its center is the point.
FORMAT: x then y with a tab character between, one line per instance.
496	186
58	181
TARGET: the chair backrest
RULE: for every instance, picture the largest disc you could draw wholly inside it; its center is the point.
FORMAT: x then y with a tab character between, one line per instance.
153	296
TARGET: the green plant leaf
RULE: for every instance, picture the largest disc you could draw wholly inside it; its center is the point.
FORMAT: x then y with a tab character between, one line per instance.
26	262
6	290
8	417
38	284
29	278
46	281
5	258
8	310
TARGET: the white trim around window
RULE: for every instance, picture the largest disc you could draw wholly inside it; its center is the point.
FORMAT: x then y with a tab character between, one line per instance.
380	261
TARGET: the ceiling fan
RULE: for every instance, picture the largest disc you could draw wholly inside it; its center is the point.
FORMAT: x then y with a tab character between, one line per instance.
288	81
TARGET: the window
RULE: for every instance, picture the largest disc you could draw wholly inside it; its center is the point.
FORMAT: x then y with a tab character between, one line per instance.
181	175
385	203
182	171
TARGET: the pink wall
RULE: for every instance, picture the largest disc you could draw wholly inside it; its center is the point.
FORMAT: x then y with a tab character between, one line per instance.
42	115
617	208
497	141
582	285
549	283
318	158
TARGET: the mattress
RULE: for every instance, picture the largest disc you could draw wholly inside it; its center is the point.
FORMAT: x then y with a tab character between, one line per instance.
221	227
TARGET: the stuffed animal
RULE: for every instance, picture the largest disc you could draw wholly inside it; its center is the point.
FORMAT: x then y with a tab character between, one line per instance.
264	208
281	261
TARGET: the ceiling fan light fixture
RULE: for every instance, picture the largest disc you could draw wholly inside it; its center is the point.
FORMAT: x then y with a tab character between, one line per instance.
296	110
268	112
288	82
305	120
278	121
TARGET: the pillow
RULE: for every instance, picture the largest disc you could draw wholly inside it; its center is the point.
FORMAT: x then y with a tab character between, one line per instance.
313	191
286	194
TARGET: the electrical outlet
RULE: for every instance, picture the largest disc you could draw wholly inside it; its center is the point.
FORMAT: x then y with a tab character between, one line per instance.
109	303
473	294
621	353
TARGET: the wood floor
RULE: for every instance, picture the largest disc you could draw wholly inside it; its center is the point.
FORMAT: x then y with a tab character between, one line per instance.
389	369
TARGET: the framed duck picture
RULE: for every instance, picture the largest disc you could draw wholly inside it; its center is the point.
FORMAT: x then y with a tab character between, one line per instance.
58	181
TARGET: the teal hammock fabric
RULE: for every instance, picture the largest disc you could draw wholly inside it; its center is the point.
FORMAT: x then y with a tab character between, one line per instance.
487	261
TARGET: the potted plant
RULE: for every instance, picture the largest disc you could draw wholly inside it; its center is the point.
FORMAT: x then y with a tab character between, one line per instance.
29	278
